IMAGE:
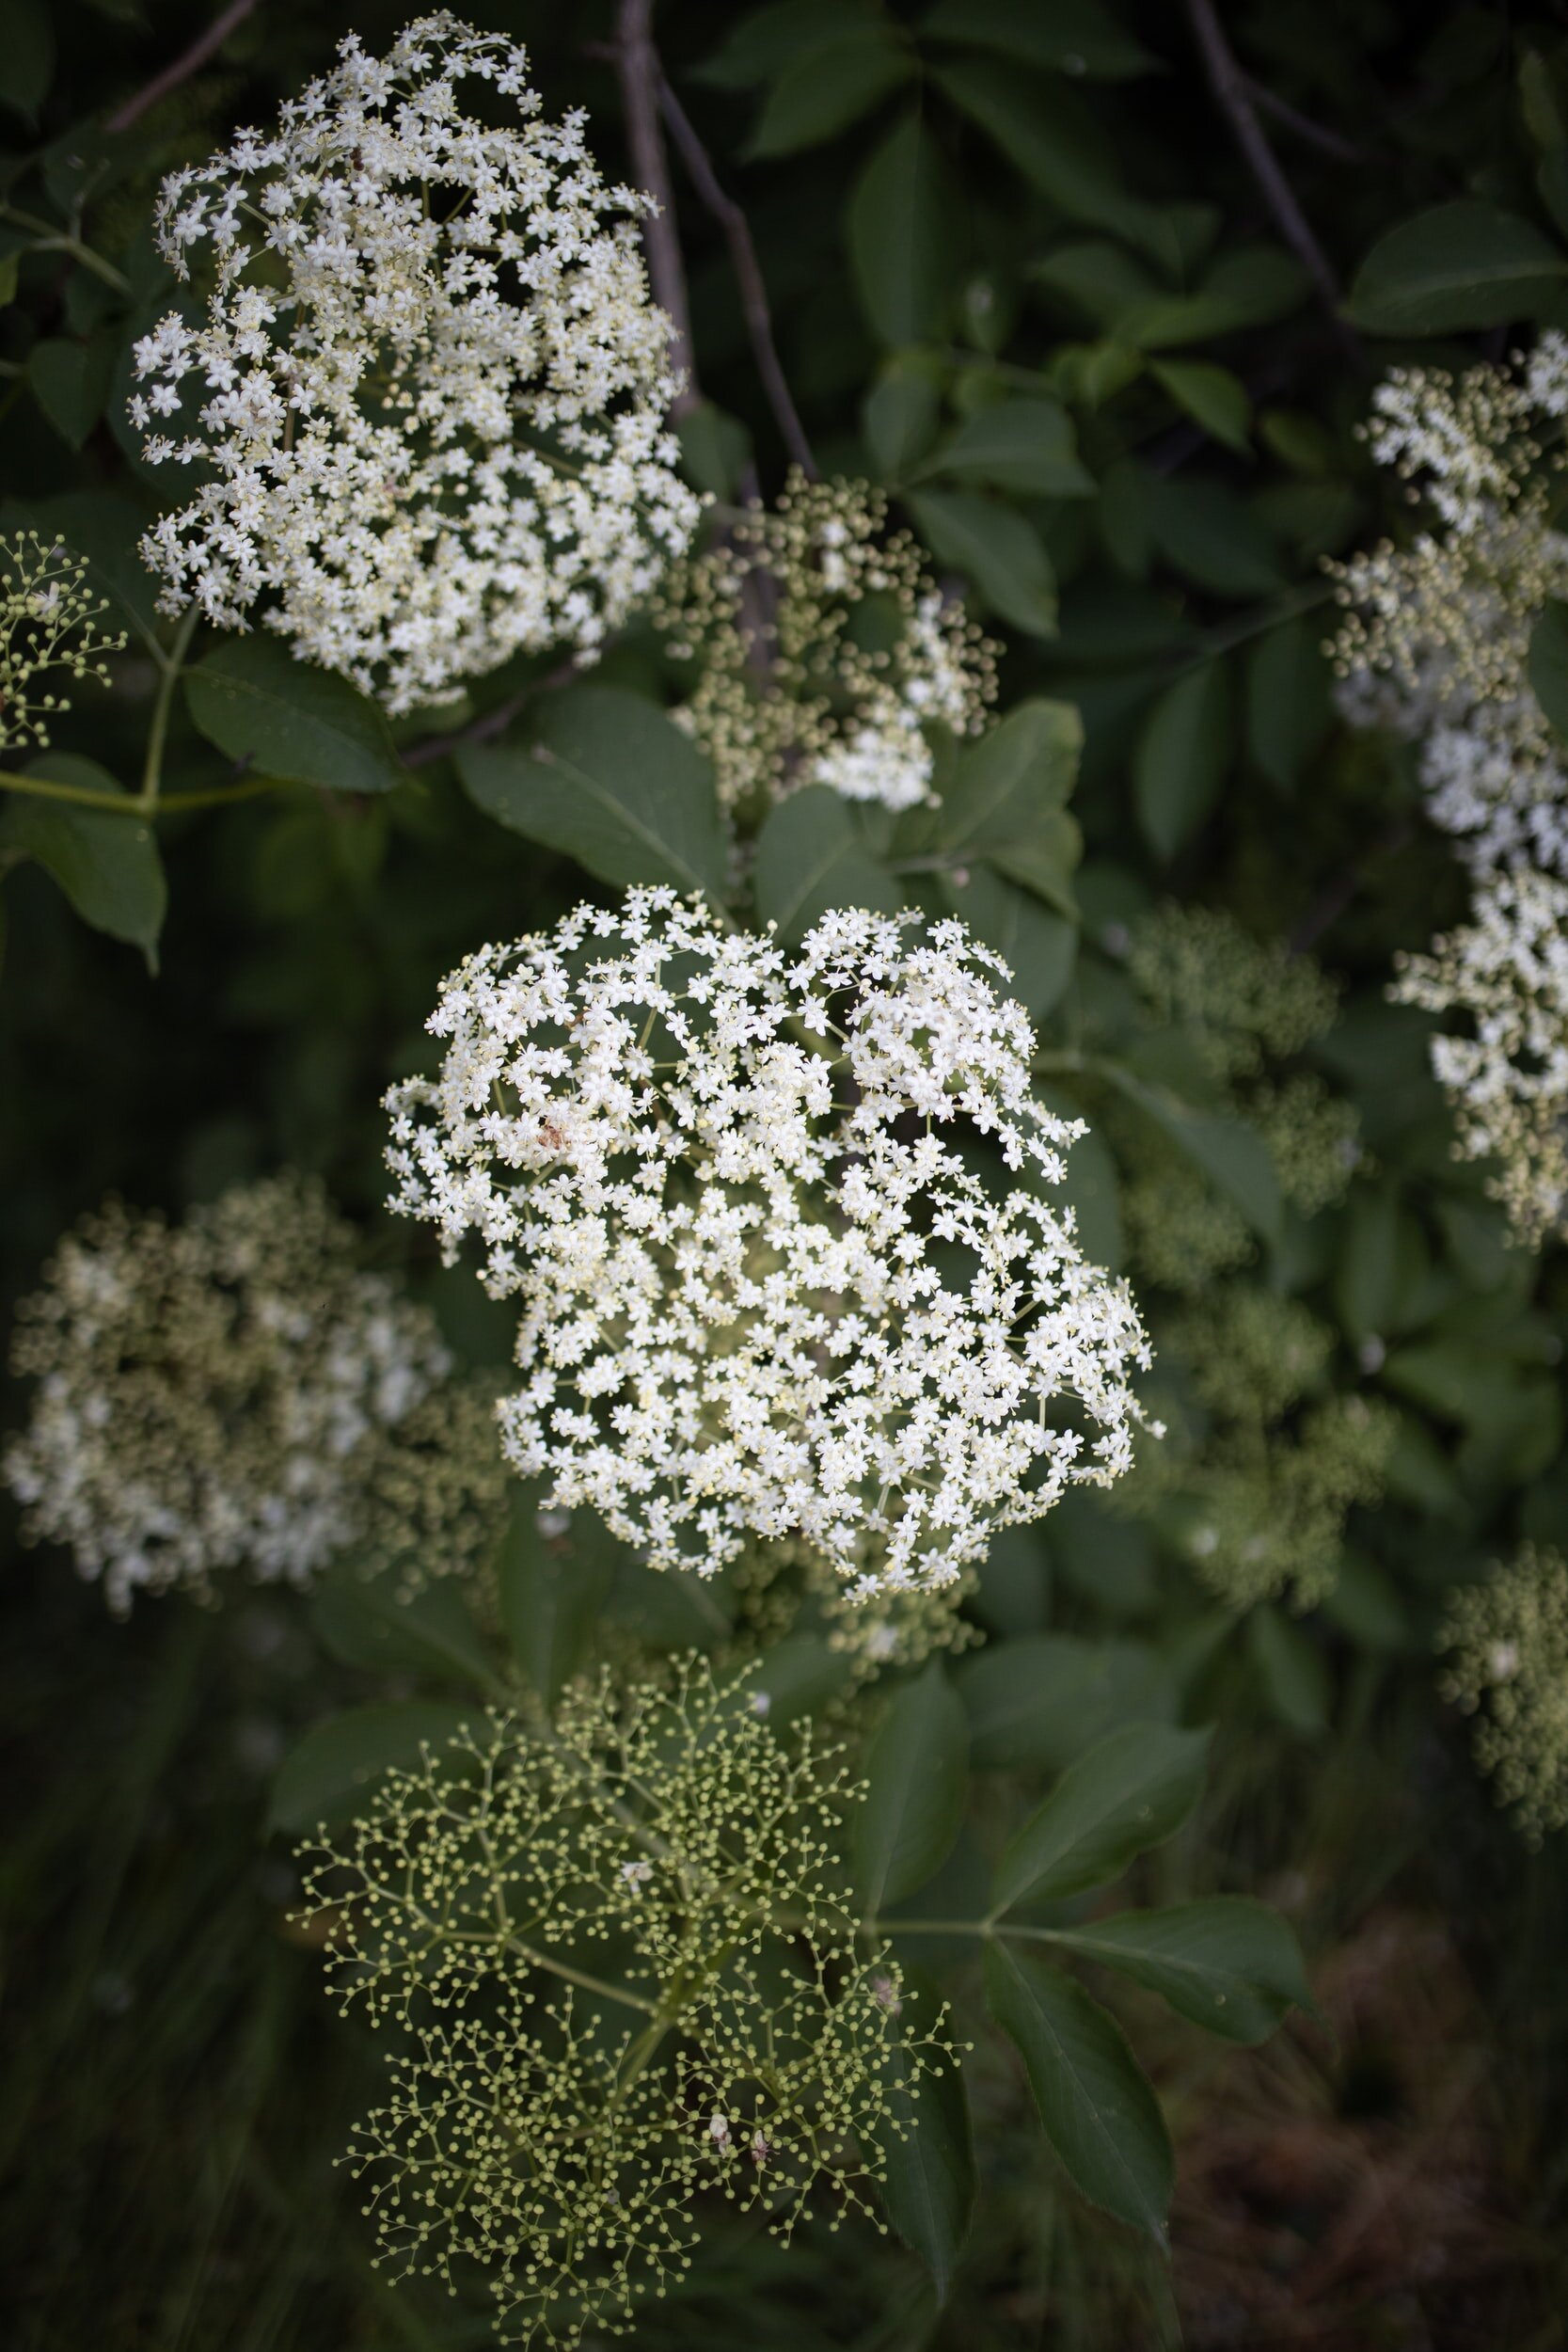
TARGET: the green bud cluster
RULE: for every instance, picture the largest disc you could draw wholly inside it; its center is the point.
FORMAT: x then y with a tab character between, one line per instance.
1507	1642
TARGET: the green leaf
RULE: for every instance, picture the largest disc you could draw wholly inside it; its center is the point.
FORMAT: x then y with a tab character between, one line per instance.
1025	445
70	383
1288	711
1228	1962
1076	36
285	719
1250	286
613	783
826	88
1548	663
1293	1671
899	420
1098	2112
1182	754
1042	1699
927	2189
326	1778
1001	554
716	450
1204	531
763	43
796	1676
1131	1791
371	1623
105	526
809	858
904	225
1231	1154
998	790
1040	948
107	866
1457	265
27	57
916	1775
1056	144
551	1591
1212	396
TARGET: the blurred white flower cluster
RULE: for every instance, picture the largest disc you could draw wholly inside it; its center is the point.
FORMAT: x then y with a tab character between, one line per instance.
207	1393
1507	1074
429	381
765	1291
826	652
1436	642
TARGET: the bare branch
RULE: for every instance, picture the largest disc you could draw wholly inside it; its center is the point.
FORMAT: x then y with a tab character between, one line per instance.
190	61
1314	134
748	270
1233	91
637	64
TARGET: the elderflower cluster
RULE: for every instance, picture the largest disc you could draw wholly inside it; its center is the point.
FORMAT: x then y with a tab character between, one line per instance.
428	385
1256	1488
435	1488
621	1952
206	1394
825	652
790	1587
1437	636
47	624
1505	975
1508	1641
1245	1010
765	1294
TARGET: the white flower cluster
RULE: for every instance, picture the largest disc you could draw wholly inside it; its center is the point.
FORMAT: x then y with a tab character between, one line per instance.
207	1393
764	1292
432	381
826	652
1436	638
1505	973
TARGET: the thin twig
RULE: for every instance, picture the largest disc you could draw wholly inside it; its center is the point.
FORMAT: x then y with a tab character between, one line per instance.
1233	92
1316	135
637	64
748	270
190	61
491	723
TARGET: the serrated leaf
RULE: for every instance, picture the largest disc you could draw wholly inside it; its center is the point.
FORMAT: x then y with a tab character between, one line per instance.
550	1591
796	1676
1228	1963
1025	445
1231	1154
1042	1699
928	2190
904	225
716	450
809	858
1289	709
1131	1791
826	88
1095	2103
283	718
1001	554
613	783
899	420
326	1777
916	1774
1181	757
1459	265
70	382
1059	146
765	42
1292	1669
371	1623
107	866
1038	948
1076	36
1212	396
999	788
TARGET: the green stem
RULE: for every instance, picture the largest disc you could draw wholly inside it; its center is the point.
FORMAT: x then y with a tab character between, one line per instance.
157	734
49	239
579	1976
81	794
988	1930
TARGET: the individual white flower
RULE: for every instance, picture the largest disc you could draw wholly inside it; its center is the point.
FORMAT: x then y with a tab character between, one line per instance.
765	1288
429	384
206	1394
1505	976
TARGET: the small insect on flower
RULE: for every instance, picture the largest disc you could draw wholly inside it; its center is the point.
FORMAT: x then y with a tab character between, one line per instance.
764	1293
428	384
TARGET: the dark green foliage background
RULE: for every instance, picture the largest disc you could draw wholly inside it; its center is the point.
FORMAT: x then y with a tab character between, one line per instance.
955	207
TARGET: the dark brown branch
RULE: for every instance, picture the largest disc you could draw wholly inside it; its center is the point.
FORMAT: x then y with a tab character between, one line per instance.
190	61
1313	134
1233	91
748	270
637	64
